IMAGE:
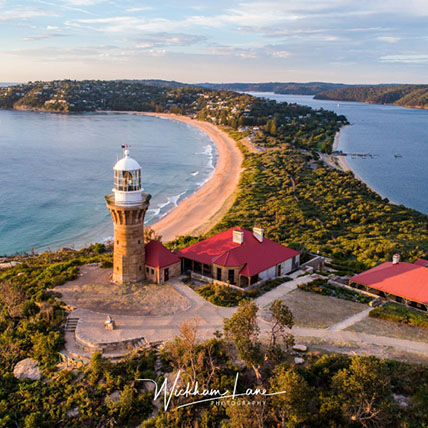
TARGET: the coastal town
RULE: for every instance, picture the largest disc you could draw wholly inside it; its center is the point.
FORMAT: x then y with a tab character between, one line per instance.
278	261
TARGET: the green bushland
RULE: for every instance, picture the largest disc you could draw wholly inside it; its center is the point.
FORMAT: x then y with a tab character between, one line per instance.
222	295
321	286
402	314
402	95
323	209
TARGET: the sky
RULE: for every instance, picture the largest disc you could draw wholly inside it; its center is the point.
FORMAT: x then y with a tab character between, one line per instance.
348	41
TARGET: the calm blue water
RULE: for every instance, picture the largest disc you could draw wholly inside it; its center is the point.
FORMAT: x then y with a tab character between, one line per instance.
382	130
55	170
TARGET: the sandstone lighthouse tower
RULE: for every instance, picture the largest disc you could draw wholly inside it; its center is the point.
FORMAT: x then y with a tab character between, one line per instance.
128	205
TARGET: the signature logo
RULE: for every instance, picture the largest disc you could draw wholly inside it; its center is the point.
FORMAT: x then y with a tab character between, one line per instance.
208	394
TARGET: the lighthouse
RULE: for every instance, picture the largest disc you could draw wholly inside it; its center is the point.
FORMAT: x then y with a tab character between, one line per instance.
128	205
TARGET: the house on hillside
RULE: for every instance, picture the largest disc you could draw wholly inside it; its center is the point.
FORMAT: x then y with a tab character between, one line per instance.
239	257
403	282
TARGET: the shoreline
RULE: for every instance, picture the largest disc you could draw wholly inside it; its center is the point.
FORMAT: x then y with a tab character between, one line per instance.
207	205
340	163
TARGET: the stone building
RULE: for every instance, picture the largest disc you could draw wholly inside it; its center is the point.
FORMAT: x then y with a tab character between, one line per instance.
161	264
239	257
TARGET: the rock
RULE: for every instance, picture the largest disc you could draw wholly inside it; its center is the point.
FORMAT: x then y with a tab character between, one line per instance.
298	360
301	348
401	400
72	413
27	369
114	396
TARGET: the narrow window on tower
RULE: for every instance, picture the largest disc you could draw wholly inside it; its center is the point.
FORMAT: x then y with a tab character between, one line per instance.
117	242
139	241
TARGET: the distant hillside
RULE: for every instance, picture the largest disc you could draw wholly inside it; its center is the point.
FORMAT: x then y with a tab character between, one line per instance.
310	88
403	95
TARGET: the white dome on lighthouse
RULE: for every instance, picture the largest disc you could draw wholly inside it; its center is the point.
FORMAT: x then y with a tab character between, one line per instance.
126	163
127	181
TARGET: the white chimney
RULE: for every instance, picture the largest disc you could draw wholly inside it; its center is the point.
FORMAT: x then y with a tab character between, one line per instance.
238	237
396	259
258	233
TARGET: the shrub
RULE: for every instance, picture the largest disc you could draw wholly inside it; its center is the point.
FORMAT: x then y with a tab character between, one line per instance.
321	286
222	295
402	314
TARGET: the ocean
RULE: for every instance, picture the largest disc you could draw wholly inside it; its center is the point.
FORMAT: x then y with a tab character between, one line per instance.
397	139
56	168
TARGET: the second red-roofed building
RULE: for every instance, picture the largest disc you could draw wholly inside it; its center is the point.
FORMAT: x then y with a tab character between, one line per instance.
161	264
239	257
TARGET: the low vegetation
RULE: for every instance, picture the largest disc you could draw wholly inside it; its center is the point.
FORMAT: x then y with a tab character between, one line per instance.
321	286
222	295
401	314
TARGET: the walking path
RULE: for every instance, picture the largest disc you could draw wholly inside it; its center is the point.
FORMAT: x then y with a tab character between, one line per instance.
155	329
350	321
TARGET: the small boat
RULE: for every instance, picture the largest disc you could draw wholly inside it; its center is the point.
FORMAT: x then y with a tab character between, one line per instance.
397	155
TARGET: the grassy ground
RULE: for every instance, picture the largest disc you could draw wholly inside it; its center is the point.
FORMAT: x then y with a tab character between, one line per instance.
390	329
315	310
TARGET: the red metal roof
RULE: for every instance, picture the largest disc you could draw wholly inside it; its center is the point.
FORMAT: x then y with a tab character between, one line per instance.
253	255
421	262
158	256
403	279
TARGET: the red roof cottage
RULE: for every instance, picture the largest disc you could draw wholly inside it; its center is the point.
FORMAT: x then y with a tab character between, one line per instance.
238	256
401	281
161	264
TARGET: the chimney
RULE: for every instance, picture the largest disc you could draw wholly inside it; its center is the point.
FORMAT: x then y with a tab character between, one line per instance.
238	237
258	233
396	259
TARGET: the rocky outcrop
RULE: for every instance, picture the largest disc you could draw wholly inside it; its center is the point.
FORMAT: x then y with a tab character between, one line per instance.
27	369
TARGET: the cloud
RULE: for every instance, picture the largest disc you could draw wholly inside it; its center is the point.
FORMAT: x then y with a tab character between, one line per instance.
24	13
405	59
388	39
168	39
280	54
44	36
123	24
138	9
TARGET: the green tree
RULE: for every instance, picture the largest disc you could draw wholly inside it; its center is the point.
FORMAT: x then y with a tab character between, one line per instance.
243	331
282	319
291	408
362	391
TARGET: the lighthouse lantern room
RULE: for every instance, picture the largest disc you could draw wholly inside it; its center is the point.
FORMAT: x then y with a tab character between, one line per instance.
128	205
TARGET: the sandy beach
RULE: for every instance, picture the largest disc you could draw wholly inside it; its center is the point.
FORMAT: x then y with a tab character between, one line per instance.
198	213
339	162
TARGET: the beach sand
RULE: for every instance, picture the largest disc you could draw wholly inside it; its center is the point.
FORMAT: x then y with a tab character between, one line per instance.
198	213
339	162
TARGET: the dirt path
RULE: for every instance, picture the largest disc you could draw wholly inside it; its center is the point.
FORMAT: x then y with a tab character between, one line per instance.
350	321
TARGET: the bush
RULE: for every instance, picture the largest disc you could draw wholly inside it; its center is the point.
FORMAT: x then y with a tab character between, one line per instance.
401	314
222	295
105	264
321	286
98	248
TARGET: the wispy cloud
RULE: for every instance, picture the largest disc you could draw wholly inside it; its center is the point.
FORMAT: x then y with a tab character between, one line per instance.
44	36
388	39
406	59
166	39
25	13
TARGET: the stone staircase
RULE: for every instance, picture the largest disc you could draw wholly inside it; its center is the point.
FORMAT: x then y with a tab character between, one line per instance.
71	324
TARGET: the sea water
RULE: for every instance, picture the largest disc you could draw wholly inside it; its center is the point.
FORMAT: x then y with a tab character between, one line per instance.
397	139
56	168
